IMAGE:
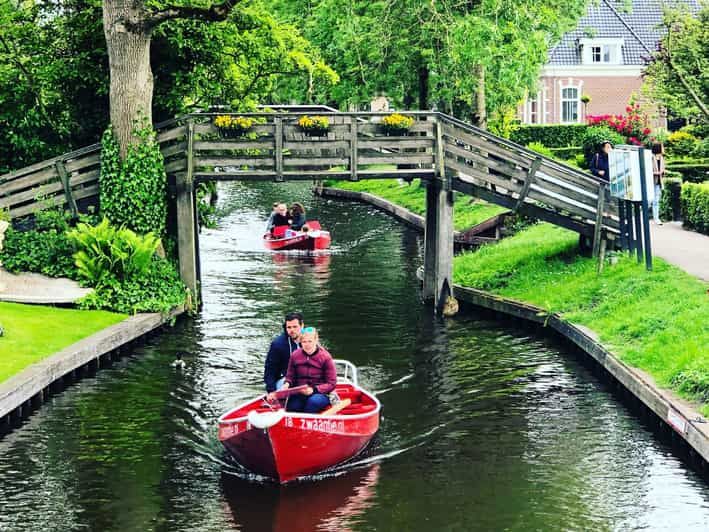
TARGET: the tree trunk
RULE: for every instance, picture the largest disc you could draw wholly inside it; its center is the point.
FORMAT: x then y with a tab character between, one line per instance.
480	112
128	44
423	88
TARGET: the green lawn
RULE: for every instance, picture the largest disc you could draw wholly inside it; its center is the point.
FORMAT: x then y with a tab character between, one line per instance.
412	197
34	332
655	321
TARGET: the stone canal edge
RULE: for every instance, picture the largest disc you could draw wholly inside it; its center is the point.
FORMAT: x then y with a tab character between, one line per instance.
679	415
27	390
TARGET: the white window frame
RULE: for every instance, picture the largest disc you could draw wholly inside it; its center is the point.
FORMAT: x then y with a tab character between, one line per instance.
610	51
563	100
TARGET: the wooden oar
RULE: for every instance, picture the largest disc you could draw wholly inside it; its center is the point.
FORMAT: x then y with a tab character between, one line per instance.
334	409
282	394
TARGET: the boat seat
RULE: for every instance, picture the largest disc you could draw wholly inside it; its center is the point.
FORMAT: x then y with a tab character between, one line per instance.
314	225
359	408
353	396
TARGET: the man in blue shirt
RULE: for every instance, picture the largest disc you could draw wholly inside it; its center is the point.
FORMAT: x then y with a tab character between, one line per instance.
280	351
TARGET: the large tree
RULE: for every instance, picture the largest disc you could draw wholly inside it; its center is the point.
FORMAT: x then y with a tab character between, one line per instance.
678	74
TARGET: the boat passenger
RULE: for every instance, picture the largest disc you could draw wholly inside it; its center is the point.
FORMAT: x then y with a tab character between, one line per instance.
282	347
313	366
269	223
281	217
297	214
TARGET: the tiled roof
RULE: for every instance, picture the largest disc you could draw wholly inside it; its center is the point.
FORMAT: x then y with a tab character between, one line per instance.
607	19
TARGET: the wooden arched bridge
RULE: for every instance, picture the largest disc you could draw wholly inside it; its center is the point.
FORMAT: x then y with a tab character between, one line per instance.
447	154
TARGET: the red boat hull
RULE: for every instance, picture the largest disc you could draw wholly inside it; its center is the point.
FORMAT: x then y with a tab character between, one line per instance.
299	444
302	241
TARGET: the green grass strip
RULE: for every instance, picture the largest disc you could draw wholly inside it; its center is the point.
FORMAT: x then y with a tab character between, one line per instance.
655	321
34	332
413	197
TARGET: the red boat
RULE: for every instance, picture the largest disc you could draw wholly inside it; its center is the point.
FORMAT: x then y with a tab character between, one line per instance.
284	238
283	446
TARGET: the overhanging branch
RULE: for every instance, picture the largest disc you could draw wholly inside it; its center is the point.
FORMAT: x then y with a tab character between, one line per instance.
214	13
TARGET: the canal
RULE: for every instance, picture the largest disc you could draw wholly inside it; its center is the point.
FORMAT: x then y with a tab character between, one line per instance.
485	426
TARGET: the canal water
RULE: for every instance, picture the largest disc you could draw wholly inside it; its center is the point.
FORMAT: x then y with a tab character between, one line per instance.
485	425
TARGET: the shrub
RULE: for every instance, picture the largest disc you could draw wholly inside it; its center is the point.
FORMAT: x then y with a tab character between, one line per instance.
692	171
159	289
669	201
44	249
633	127
593	138
553	136
105	251
133	192
681	144
694	201
701	149
540	149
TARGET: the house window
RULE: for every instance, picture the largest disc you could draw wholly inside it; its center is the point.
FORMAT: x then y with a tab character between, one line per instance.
569	104
602	54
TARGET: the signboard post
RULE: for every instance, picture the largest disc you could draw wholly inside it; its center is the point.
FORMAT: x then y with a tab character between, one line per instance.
631	181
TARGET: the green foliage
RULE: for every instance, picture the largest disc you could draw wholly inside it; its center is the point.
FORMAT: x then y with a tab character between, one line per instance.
159	289
691	170
553	136
680	144
133	193
105	251
594	136
540	148
627	306
680	66
669	201
44	249
694	200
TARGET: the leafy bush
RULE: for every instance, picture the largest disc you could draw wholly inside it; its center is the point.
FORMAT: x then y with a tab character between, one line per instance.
701	150
540	149
553	136
133	192
44	249
568	152
690	170
633	127
594	136
694	201
681	144
159	289
669	201
105	251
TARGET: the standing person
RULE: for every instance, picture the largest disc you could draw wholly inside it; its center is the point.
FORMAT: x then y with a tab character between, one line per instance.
297	214
269	223
282	347
313	366
599	162
658	172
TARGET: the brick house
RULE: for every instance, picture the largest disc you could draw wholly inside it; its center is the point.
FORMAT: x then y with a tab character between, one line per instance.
602	58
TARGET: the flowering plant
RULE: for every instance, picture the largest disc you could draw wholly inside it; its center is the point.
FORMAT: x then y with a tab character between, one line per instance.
242	123
633	126
314	124
397	123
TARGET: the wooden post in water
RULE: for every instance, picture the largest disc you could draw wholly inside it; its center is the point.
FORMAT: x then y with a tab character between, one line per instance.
438	246
186	217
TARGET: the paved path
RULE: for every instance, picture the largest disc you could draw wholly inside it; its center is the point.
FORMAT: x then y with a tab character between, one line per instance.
36	288
685	249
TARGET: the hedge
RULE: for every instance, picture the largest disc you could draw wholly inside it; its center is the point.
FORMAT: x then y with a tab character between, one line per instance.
694	172
669	201
694	201
552	136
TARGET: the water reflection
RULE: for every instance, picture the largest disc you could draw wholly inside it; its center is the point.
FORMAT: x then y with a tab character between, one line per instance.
332	503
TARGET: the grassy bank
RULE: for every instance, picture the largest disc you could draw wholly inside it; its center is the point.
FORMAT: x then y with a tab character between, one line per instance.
655	321
413	197
34	332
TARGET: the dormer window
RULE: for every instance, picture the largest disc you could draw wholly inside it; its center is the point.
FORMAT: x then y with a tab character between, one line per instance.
601	51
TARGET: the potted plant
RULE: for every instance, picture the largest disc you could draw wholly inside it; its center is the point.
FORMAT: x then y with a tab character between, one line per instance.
233	126
397	124
314	126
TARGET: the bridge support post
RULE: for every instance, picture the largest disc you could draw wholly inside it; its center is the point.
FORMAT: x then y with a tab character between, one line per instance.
438	246
186	222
